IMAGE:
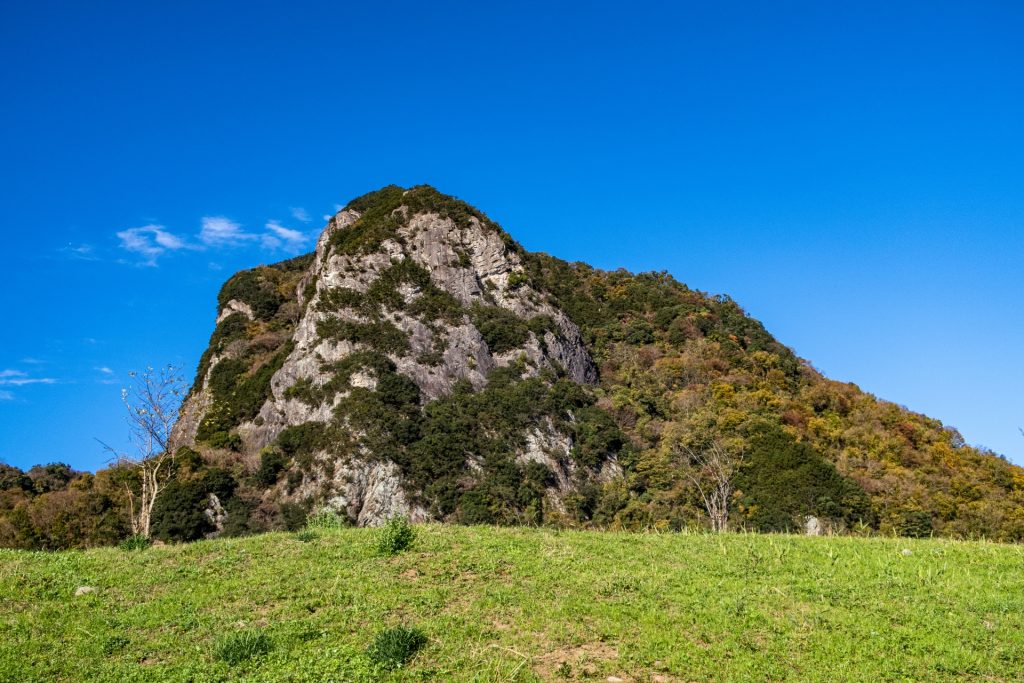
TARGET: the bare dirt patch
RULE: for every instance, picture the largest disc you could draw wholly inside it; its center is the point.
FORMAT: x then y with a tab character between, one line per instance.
566	662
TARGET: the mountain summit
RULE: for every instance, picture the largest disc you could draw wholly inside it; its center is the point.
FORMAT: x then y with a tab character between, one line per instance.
410	297
420	362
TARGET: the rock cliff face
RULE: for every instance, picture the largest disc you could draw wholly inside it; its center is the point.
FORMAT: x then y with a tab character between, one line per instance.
409	289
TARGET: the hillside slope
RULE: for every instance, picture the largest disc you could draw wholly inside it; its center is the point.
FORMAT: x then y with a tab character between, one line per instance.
423	363
518	604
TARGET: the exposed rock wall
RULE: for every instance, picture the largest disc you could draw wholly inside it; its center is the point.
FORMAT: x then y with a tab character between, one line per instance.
468	260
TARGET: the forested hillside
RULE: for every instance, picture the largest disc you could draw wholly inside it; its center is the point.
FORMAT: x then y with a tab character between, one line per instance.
422	363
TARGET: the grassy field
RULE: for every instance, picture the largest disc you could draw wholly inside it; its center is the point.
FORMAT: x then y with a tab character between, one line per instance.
498	604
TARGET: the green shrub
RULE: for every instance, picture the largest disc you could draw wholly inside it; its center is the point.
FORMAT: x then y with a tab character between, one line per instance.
379	219
136	542
293	515
178	512
272	463
915	524
393	647
235	648
383	336
254	288
516	279
294	481
302	440
395	536
187	459
326	519
230	329
784	480
240	518
227	440
501	329
377	223
239	391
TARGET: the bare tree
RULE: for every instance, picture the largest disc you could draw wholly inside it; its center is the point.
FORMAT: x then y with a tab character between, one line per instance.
152	399
711	470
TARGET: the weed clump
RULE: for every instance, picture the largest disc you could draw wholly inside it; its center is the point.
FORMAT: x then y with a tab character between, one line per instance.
306	535
393	647
137	542
395	536
235	648
326	519
114	644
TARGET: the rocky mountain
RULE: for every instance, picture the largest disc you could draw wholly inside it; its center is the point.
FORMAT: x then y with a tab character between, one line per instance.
409	298
420	362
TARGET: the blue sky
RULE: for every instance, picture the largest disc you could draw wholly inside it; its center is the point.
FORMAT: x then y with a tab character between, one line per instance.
851	173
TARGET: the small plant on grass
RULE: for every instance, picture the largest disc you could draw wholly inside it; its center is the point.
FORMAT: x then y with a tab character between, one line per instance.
393	647
395	536
326	519
306	535
235	648
114	644
136	542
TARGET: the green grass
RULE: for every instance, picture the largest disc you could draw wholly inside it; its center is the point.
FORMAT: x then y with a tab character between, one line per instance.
235	648
499	604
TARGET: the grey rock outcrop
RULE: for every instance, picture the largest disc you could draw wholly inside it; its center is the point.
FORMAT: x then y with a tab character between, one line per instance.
468	260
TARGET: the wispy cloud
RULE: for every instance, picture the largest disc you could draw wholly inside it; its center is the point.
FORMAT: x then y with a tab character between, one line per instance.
6	396
107	375
337	208
80	252
149	242
280	237
17	378
218	231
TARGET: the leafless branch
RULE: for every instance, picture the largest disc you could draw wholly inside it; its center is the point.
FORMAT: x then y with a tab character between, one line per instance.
711	471
152	400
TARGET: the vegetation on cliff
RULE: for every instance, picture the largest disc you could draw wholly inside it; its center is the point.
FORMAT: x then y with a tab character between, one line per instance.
678	370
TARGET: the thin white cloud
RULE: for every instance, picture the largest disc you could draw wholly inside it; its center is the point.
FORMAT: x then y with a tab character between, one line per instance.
24	381
300	214
218	231
17	378
6	396
107	375
149	242
280	237
80	252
